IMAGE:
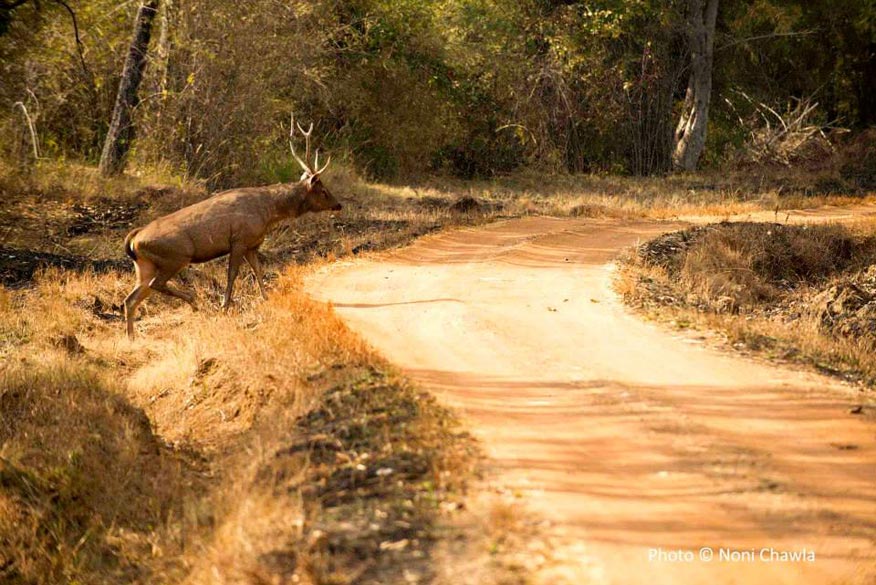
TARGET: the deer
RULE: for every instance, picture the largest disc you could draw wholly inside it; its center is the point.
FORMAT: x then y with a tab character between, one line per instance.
232	223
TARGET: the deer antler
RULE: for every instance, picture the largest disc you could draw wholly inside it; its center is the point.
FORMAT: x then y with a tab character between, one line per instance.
319	171
303	164
306	141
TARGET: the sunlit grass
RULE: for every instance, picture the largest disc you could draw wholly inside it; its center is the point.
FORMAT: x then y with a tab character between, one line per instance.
217	396
223	396
724	284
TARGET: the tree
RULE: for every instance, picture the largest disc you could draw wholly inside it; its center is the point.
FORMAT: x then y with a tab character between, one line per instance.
121	129
690	134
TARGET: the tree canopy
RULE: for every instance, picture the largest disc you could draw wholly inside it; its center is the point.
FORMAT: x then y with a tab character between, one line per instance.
470	87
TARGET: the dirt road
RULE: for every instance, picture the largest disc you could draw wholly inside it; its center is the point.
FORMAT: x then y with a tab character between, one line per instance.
634	442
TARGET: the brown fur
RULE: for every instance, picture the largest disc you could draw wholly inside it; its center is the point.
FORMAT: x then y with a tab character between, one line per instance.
233	222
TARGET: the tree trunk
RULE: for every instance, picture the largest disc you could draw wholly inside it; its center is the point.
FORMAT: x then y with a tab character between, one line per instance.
121	130
690	134
161	52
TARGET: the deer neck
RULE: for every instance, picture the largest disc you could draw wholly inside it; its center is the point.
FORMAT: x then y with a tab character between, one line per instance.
290	200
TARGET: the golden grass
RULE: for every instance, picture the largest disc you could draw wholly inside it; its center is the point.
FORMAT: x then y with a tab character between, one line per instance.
183	456
224	396
39	206
708	194
61	179
762	296
81	474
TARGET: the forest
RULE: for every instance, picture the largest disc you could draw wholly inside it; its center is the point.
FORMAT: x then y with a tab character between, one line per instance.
468	88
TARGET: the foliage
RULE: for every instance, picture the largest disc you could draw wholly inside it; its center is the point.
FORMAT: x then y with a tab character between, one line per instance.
405	87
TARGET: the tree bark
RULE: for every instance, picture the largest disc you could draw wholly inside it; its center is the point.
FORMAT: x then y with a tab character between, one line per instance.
162	49
121	129
690	134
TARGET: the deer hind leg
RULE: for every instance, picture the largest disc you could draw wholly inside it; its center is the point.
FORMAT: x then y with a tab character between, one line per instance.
145	271
252	258
234	260
159	283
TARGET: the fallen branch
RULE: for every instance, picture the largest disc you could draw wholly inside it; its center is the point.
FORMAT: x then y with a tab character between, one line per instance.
31	128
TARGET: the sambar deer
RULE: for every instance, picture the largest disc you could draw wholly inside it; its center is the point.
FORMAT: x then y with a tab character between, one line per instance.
233	222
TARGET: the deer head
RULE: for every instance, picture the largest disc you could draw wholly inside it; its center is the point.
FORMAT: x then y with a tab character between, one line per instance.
318	198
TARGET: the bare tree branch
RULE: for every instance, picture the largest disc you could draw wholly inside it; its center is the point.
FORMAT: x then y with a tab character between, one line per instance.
766	36
31	129
79	47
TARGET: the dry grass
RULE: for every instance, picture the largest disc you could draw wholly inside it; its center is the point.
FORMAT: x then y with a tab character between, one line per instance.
714	194
190	454
86	489
72	212
765	288
238	484
733	266
61	180
266	445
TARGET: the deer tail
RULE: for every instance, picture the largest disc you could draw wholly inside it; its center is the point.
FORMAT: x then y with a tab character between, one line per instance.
129	248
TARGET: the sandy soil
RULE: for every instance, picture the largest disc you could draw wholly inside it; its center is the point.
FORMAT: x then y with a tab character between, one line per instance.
626	437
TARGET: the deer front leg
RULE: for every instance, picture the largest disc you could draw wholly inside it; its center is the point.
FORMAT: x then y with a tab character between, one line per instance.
252	258
234	260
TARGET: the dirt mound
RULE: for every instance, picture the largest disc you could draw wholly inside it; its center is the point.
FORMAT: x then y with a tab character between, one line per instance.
431	202
591	210
104	214
742	264
17	267
668	250
806	293
848	307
